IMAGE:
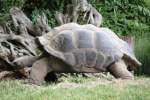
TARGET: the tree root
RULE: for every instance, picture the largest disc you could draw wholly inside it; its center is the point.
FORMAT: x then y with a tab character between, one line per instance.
17	39
78	11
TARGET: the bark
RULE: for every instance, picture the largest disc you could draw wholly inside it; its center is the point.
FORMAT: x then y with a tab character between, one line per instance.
5	74
21	73
17	40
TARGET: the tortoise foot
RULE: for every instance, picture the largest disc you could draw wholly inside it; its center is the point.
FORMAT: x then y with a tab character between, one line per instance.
38	71
119	70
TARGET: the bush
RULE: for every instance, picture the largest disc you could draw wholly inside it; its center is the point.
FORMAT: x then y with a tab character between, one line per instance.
125	17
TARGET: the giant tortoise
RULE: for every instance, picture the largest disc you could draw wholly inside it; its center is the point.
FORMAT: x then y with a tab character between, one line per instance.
83	49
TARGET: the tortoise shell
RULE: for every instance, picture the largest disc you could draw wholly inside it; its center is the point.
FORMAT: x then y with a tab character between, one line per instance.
87	46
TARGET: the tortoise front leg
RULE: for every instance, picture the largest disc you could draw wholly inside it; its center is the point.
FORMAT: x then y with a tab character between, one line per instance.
119	70
38	71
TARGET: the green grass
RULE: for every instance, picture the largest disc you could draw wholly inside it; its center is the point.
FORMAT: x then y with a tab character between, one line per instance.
99	89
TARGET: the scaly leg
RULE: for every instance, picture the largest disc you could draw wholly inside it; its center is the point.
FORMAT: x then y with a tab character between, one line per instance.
119	70
39	70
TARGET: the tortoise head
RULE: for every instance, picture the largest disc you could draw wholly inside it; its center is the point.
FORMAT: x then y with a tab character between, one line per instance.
131	61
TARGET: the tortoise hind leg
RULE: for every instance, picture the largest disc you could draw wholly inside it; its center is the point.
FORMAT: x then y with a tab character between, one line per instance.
119	70
38	71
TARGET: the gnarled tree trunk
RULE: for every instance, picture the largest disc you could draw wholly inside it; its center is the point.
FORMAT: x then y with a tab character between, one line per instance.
79	11
17	39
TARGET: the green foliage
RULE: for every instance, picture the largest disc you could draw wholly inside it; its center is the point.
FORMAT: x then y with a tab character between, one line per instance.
125	17
4	17
5	6
147	3
50	15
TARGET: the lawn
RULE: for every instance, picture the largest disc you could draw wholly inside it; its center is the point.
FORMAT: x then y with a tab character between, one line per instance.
78	89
